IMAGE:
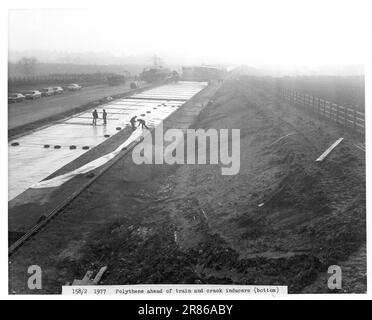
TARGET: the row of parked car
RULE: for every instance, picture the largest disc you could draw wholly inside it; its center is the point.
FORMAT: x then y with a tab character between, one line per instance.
45	92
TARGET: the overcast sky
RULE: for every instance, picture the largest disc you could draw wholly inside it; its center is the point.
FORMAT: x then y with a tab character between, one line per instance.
276	32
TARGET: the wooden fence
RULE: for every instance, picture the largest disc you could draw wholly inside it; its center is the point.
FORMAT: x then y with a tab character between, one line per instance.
344	116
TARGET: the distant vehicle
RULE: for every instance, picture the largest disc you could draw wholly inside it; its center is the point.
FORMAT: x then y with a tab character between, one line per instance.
46	92
156	74
115	80
73	87
173	77
34	94
57	90
15	97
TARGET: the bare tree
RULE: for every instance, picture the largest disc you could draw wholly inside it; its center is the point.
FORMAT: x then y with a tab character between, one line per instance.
27	66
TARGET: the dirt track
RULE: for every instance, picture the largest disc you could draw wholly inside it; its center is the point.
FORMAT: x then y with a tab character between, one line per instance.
189	224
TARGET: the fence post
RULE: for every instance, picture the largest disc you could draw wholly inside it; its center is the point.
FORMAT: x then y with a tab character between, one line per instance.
345	119
312	103
320	108
292	97
298	99
355	120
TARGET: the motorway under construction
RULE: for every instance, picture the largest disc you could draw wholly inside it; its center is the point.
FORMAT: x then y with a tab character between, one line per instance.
35	156
283	219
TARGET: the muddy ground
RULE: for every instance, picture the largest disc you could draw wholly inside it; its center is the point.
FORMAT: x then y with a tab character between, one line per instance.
29	115
282	220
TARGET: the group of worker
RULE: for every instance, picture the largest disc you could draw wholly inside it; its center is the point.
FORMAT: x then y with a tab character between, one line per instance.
95	117
141	122
132	121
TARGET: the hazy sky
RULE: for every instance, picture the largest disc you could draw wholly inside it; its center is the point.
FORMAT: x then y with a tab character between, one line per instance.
262	31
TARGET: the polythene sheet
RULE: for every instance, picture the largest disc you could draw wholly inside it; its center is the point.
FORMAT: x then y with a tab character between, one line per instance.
30	162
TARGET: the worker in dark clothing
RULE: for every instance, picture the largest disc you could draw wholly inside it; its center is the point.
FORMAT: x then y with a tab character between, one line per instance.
133	122
104	116
95	117
143	123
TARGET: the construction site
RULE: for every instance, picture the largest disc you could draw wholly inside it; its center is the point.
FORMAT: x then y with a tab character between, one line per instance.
78	203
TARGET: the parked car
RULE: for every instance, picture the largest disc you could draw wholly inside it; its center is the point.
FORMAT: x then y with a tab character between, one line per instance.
57	90
47	92
15	97
73	87
33	94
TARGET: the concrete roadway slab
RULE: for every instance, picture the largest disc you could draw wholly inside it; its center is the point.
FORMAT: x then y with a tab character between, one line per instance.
29	111
30	162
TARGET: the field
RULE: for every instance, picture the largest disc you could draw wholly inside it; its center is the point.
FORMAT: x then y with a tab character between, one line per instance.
282	220
43	69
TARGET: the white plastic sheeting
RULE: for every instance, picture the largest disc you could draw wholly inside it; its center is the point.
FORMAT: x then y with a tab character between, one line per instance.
183	90
59	180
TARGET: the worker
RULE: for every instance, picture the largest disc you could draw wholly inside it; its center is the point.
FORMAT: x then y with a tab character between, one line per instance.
143	123
95	117
133	122
104	116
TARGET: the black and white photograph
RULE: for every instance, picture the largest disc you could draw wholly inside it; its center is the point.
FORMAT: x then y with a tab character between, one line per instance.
204	149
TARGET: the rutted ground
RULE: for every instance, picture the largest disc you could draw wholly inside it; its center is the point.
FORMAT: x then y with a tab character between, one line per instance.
282	220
